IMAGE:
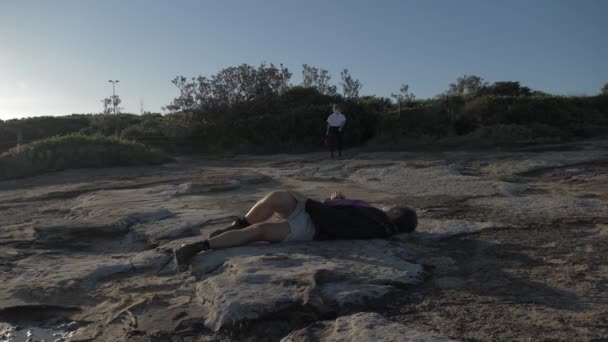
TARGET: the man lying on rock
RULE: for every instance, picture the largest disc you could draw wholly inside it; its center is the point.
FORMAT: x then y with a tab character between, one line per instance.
297	218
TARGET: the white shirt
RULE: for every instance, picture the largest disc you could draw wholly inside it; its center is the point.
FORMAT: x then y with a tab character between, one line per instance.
336	119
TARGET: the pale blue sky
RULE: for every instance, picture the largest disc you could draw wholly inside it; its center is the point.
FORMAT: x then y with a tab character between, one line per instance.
57	56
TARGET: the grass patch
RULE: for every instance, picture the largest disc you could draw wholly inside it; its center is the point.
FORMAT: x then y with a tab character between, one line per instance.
75	151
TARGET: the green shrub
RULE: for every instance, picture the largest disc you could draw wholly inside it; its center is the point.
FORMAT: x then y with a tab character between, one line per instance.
75	151
112	124
36	128
554	111
422	121
506	135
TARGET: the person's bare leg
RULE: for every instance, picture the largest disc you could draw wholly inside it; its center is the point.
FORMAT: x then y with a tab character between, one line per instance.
249	229
280	202
266	231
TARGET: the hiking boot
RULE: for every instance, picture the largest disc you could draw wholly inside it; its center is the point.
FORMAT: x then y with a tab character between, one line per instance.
184	254
239	223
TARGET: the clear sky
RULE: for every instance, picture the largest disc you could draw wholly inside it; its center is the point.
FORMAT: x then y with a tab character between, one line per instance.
56	57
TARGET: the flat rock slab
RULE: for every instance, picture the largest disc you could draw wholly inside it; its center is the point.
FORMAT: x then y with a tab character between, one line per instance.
218	181
257	282
61	232
363	327
542	160
410	178
55	279
544	206
439	180
442	229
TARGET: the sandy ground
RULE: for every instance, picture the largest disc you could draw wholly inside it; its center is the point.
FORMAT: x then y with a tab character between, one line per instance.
513	246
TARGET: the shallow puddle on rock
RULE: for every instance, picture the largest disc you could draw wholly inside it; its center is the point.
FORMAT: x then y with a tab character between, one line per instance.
61	333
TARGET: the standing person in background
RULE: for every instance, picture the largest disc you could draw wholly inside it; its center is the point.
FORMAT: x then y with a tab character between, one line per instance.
335	125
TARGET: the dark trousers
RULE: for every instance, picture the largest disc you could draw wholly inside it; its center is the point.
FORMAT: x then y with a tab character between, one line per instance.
335	140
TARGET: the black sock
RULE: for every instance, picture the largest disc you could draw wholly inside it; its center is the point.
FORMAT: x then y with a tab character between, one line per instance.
203	245
242	222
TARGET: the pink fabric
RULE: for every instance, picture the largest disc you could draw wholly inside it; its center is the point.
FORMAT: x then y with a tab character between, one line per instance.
346	203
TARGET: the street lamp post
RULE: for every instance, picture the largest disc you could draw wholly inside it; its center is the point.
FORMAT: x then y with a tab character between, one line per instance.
114	93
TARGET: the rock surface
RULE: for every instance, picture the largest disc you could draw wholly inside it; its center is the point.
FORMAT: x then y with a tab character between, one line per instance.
256	282
441	229
361	327
510	246
545	160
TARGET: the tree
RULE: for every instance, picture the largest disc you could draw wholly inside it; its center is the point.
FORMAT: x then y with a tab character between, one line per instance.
317	78
111	105
404	95
115	104
505	88
467	85
272	80
605	89
228	87
107	105
377	104
187	90
350	86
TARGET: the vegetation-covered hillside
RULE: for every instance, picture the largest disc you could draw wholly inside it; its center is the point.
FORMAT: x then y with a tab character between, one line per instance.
257	110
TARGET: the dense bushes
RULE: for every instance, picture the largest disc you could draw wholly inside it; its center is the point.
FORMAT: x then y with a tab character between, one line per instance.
495	120
553	111
75	151
294	121
42	127
507	134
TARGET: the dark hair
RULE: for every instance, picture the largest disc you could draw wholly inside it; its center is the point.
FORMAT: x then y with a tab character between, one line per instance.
404	218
